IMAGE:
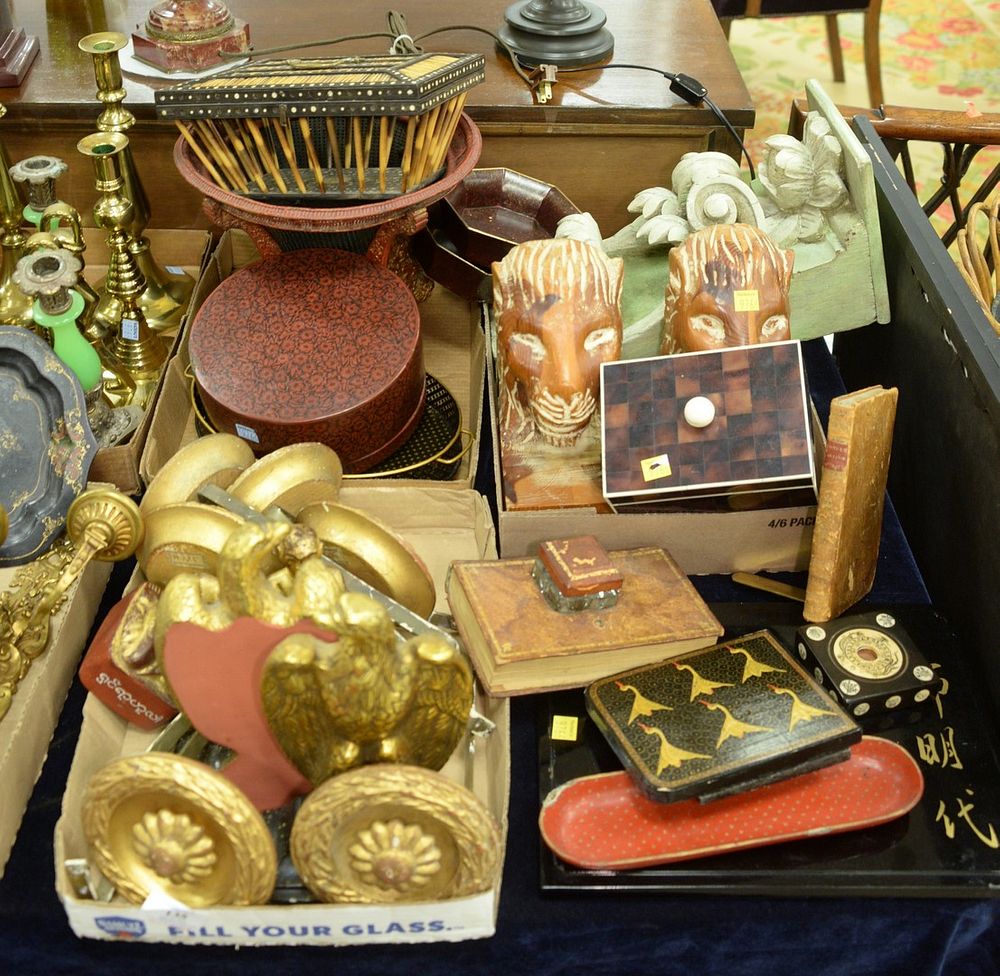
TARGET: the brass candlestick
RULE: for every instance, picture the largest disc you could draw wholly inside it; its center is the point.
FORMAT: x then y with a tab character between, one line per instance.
132	344
15	307
164	296
101	524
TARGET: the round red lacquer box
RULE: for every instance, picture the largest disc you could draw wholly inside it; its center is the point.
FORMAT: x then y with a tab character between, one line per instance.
313	345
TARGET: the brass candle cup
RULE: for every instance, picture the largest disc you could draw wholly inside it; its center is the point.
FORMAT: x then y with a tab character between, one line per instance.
291	477
186	537
217	459
373	552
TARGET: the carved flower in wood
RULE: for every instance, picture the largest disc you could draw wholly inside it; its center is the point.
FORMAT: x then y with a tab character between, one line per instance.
173	846
802	183
395	855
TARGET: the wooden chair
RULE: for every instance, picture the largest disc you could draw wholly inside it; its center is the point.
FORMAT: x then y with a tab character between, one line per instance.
728	10
961	138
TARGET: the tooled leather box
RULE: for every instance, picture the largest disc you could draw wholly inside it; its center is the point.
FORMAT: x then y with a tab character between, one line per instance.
720	720
312	345
758	446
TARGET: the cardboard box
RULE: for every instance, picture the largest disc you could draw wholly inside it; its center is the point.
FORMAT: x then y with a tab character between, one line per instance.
454	353
26	729
441	525
771	539
184	250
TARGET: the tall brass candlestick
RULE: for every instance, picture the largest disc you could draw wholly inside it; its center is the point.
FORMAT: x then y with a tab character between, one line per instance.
165	295
132	345
15	306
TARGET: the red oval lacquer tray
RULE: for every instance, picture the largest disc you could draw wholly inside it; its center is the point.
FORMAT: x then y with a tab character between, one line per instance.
606	823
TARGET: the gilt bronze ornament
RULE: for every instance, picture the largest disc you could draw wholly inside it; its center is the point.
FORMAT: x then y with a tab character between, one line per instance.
368	696
101	524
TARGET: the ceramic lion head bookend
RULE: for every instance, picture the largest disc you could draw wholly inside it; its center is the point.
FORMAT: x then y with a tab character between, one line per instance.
557	306
728	286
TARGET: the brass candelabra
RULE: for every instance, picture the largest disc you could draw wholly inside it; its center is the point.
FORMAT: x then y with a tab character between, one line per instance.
15	307
131	345
164	296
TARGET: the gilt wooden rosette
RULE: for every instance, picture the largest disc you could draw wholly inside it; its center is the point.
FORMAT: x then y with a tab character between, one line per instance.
394	833
159	821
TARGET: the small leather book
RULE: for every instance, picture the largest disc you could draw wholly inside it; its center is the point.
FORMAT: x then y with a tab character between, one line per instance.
519	644
851	498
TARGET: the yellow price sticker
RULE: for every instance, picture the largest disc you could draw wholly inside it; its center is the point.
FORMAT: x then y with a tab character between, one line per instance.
564	728
654	468
746	301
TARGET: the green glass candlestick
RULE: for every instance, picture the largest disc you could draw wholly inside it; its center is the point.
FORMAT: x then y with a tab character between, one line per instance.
62	227
48	277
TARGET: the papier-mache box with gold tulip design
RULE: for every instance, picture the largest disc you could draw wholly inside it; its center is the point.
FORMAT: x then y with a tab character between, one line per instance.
721	720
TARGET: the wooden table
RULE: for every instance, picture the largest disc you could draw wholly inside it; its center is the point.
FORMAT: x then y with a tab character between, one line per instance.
603	136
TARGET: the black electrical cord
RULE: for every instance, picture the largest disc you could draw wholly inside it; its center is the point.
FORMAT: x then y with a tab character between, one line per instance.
690	89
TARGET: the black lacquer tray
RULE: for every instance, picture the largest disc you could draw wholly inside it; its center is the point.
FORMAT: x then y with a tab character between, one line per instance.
948	845
46	445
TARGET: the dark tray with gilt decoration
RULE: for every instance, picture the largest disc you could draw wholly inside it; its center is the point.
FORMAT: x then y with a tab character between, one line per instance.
946	846
46	446
312	345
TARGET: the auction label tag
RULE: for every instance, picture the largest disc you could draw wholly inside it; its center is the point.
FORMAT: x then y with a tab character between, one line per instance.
175	270
247	433
130	329
746	301
564	728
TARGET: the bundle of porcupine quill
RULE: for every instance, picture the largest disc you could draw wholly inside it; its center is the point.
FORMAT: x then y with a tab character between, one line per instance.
341	128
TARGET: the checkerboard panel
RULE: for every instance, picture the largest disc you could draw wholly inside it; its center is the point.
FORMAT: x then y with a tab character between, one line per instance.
759	431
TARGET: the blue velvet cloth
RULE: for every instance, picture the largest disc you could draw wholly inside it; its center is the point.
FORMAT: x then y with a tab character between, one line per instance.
550	934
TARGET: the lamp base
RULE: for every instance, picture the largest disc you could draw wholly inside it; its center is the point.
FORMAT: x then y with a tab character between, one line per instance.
570	33
190	55
17	51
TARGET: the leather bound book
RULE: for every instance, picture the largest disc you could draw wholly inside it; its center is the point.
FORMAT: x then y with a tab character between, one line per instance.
519	644
721	720
851	498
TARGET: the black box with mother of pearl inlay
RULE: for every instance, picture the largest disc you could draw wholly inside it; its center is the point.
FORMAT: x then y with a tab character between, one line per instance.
870	665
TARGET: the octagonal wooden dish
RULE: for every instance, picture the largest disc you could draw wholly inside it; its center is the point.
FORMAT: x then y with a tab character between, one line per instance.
491	210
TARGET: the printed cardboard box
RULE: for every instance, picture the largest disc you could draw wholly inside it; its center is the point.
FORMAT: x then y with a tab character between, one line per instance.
766	539
441	525
454	353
